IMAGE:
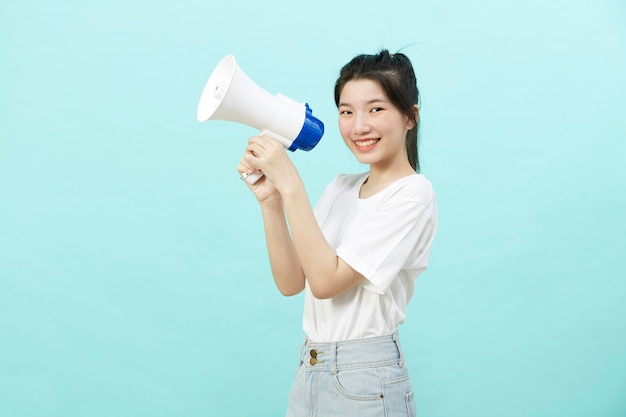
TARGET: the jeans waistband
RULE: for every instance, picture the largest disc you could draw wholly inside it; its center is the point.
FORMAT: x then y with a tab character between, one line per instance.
352	354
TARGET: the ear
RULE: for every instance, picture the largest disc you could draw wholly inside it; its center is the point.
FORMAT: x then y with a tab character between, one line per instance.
416	112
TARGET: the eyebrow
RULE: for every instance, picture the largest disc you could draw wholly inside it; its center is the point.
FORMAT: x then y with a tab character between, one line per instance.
374	100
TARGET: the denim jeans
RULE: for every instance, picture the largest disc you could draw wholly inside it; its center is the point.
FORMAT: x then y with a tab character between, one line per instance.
364	378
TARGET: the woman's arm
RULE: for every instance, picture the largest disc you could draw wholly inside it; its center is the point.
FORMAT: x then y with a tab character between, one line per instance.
286	269
327	274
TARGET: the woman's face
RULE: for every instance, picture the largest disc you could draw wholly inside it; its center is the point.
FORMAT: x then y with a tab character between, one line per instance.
371	126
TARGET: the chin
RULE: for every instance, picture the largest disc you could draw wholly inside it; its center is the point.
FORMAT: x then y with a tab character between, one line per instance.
366	160
365	157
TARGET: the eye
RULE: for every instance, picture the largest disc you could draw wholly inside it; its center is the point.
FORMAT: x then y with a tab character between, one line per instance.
345	112
376	109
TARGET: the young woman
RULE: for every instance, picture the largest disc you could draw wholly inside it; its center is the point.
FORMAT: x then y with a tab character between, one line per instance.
358	253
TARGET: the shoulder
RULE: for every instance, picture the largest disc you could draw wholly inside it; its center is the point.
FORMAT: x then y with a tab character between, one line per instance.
343	190
347	181
413	188
351	179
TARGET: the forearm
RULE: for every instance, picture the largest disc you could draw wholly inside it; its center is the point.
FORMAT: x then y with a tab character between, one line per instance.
325	272
286	269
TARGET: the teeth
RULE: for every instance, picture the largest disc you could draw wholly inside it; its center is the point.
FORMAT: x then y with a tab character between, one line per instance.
366	142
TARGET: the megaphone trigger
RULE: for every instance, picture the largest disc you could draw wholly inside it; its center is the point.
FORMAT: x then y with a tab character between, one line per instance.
252	178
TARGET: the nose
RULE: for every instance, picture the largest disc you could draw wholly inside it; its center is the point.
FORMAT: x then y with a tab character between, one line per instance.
361	124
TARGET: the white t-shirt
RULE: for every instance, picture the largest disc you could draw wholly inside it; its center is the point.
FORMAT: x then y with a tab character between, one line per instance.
387	238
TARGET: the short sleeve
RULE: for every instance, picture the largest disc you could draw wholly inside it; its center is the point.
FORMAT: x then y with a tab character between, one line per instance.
392	237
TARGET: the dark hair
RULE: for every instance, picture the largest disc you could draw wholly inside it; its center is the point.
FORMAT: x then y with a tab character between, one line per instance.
395	75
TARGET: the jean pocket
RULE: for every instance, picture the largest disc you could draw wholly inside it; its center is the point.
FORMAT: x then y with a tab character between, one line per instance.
359	384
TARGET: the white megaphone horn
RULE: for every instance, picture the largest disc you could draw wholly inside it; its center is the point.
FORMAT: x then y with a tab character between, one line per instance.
230	95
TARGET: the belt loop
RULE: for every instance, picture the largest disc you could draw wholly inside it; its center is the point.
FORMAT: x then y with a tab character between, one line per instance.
302	349
333	358
396	339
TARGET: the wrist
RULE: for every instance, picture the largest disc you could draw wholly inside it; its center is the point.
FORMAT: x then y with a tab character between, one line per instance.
273	201
289	185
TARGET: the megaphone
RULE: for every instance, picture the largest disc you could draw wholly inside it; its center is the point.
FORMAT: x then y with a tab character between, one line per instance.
230	95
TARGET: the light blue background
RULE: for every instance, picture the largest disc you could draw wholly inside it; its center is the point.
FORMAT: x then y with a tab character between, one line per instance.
133	274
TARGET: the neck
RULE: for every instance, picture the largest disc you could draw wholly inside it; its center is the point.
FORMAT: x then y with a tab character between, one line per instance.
377	181
383	177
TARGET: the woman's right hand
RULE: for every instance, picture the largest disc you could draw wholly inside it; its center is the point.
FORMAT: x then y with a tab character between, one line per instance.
263	189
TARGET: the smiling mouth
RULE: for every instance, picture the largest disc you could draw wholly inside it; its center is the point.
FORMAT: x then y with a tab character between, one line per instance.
364	143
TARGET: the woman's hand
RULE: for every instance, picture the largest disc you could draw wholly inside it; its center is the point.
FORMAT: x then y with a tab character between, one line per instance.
266	155
263	189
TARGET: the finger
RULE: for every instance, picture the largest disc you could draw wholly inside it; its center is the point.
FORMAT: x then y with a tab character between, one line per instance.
259	140
244	169
266	142
246	163
255	150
